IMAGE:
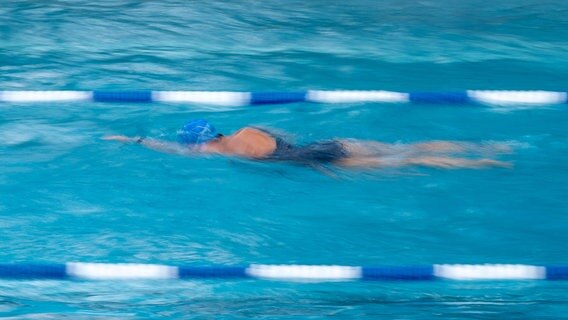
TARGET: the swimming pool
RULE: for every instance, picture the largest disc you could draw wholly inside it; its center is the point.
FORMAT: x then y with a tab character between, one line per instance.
66	195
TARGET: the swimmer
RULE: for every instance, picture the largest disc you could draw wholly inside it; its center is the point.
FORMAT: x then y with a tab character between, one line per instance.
200	137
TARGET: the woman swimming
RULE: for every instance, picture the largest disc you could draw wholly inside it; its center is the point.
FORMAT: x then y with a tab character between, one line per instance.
200	137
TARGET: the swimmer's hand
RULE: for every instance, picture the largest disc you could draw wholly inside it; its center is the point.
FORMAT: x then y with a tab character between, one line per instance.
123	139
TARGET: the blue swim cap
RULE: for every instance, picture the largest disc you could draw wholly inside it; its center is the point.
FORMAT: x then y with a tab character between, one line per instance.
197	132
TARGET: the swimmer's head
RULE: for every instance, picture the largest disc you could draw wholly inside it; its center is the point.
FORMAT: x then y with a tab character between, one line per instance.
197	131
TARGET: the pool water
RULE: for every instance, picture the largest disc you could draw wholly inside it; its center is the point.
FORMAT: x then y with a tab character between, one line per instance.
67	195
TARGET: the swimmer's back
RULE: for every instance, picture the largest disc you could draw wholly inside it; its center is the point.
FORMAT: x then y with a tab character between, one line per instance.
251	143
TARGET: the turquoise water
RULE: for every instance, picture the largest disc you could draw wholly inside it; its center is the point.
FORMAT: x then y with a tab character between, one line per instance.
65	195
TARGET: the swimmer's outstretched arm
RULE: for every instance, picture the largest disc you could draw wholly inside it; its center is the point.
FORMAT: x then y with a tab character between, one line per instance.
155	144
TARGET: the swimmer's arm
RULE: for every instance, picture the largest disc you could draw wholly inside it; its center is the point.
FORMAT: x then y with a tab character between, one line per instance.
155	144
167	147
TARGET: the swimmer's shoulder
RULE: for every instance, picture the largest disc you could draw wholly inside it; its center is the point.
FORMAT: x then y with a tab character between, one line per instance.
252	130
252	142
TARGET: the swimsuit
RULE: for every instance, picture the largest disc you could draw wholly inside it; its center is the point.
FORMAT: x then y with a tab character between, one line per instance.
326	151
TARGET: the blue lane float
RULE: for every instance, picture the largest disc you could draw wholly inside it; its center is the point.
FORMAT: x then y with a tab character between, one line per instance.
229	98
106	271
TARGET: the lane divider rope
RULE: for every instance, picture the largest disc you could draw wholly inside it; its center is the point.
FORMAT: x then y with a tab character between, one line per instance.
228	98
129	271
